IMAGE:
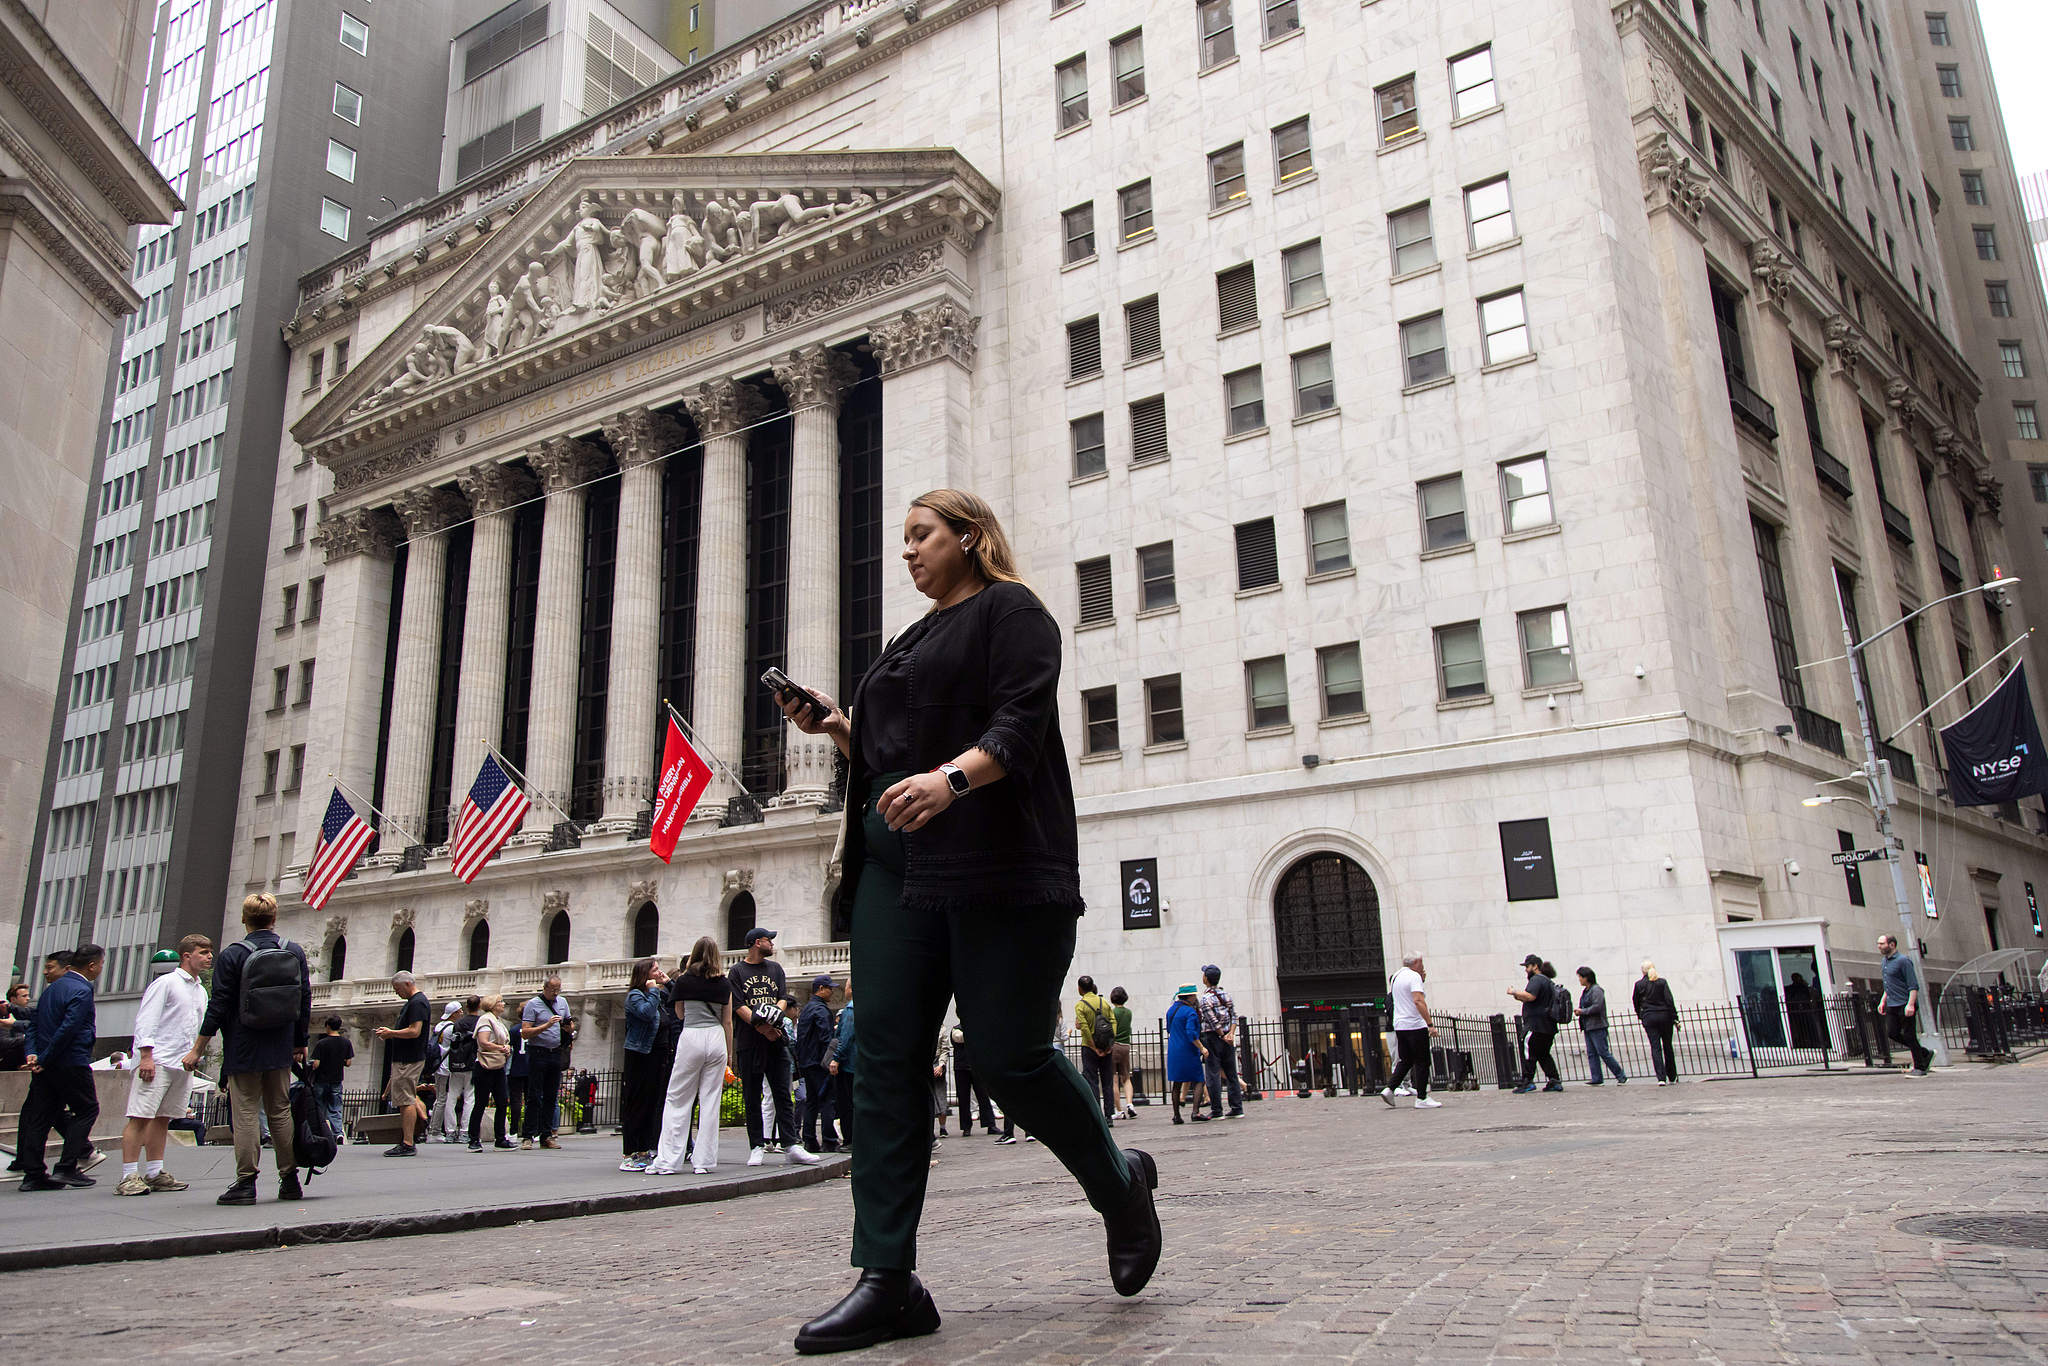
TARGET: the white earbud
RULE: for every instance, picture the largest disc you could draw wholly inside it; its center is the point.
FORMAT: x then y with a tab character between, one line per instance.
966	542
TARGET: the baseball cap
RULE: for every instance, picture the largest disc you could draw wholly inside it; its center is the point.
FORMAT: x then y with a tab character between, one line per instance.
452	1007
1533	961
756	933
1211	970
823	979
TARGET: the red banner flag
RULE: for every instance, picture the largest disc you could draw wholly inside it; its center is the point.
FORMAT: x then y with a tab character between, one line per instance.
684	776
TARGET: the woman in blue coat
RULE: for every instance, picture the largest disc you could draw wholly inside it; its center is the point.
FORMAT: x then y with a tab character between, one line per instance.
1184	1052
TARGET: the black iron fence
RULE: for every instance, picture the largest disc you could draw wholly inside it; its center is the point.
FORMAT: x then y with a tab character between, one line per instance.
1995	1022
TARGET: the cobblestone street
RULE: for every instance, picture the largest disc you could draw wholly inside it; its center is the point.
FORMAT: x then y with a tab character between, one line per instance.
1715	1222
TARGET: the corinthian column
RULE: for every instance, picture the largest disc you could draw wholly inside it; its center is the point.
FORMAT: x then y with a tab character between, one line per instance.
813	378
348	689
640	438
480	701
409	748
927	361
564	467
722	409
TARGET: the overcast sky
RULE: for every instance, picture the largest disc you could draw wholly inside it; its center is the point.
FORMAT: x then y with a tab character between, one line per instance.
2017	33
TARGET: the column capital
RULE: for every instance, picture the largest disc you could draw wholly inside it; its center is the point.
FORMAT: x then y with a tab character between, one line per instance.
721	407
642	436
492	487
918	336
814	376
1904	403
565	462
424	511
359	531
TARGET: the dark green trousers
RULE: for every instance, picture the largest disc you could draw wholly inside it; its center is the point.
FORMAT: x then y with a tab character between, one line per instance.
1006	969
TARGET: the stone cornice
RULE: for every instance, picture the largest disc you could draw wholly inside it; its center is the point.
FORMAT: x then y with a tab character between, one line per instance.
26	206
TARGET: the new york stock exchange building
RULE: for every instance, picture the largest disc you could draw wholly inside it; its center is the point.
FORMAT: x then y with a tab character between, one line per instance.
1424	592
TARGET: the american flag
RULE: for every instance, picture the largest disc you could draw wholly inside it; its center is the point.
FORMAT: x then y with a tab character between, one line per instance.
492	811
343	837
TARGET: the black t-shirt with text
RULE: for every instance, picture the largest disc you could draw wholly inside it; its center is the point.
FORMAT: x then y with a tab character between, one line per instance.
756	984
417	1008
330	1054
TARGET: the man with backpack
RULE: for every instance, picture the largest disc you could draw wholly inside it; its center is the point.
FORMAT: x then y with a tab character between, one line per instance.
457	1037
1219	1034
1544	1008
262	1009
1097	1027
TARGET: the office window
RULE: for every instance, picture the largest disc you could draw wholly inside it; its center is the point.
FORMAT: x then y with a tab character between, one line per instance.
1303	268
1292	155
1423	357
1237	298
1525	493
1315	382
2028	423
1342	675
305	683
1489	216
1937	29
1155	576
1329	538
1973	188
1163	722
316	596
1226	176
280	687
1399	119
1148	429
355	34
347	103
334	219
1265	687
1141	327
341	160
1442	502
1092	580
1411	241
1460	662
1546	648
1998	298
340	354
1960	136
1282	18
1084	348
1077	226
1986	236
315	365
1134	208
295	774
270	760
1219	38
1951	81
288	611
1127	67
1505	323
1258	557
2013	359
1244	395
299	517
1472	88
1070	84
1090	454
1098	712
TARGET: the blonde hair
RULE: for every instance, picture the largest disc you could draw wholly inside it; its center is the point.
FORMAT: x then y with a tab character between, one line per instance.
1649	970
491	1005
259	911
990	555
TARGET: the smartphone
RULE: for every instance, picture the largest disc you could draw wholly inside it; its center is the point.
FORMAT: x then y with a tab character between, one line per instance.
777	682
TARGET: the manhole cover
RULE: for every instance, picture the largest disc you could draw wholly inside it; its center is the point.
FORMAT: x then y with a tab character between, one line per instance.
1510	1129
2006	1230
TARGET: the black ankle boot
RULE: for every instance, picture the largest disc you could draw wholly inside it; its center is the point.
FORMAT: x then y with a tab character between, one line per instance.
881	1306
243	1192
1135	1237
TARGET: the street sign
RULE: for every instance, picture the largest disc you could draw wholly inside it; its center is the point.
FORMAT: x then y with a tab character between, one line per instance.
1848	856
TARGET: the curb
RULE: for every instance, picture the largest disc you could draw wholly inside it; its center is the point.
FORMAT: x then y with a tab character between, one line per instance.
409	1225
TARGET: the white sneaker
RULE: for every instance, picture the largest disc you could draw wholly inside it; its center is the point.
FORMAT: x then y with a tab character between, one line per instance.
757	1156
700	1171
801	1156
1388	1097
1404	1090
1429	1105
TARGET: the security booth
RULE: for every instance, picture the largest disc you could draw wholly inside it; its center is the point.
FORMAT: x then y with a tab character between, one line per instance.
1779	974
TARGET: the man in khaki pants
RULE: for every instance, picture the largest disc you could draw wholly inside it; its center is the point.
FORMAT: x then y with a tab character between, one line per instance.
262	1006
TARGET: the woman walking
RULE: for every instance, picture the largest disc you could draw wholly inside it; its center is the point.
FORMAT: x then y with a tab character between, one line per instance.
640	1124
1592	1015
962	870
493	1051
1185	1055
701	998
1659	1016
1120	1052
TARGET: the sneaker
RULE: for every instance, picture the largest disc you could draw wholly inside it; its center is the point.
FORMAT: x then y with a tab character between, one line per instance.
1388	1097
1030	1138
1199	1118
71	1176
1404	1090
1596	1083
1554	1086
1178	1120
132	1184
757	1156
700	1171
93	1157
42	1181
164	1181
1233	1114
550	1144
772	1147
1006	1138
1919	1071
1621	1081
1428	1104
633	1164
478	1147
1662	1082
1524	1089
525	1145
402	1150
800	1156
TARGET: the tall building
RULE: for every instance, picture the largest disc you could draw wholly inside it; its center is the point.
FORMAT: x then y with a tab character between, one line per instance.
2034	204
143	775
1452	437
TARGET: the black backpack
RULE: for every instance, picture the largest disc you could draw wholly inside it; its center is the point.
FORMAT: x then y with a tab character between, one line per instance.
1105	1027
314	1142
1560	1004
462	1045
270	997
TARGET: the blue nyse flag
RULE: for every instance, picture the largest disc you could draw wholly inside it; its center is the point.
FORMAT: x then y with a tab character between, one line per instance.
1994	752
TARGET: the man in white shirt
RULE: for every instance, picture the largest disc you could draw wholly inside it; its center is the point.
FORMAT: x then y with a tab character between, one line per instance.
1413	1029
166	1027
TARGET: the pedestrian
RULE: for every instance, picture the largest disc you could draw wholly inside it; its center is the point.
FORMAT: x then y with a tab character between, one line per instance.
814	1042
640	1118
544	1023
1413	1029
1658	1015
1097	1028
14	1023
438	1129
517	1078
845	1057
405	1048
166	1024
761	1001
1592	1013
968	1090
262	1009
1185	1051
493	1039
1120	1053
1902	1003
700	997
61	1092
1219	1034
1537	995
979	904
331	1055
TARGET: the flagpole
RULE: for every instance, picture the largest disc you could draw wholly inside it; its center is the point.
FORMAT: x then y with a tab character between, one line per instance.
2014	644
367	806
527	783
690	733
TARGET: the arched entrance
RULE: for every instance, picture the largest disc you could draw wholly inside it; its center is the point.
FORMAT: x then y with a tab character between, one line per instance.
480	946
739	918
646	930
1330	959
558	938
401	955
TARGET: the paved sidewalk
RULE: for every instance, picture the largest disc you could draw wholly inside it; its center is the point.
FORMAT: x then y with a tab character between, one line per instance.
1729	1222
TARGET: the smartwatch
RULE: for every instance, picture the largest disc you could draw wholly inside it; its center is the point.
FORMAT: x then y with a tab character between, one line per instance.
956	778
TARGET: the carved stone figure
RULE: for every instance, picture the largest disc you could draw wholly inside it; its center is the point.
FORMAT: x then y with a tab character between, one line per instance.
495	320
767	219
585	242
644	232
423	365
721	228
683	249
455	351
532	312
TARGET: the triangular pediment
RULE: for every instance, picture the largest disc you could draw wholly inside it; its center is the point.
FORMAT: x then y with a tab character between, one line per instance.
617	248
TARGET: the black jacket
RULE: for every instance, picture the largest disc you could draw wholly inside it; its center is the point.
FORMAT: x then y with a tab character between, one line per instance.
254	1050
988	681
813	1033
1653	1002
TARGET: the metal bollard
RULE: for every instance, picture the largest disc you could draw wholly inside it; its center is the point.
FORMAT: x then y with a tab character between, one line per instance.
1507	1075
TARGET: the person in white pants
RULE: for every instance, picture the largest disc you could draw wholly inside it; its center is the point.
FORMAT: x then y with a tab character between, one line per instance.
451	1088
701	997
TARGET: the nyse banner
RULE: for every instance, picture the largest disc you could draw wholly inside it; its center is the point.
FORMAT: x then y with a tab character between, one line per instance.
1141	894
1525	854
1994	752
